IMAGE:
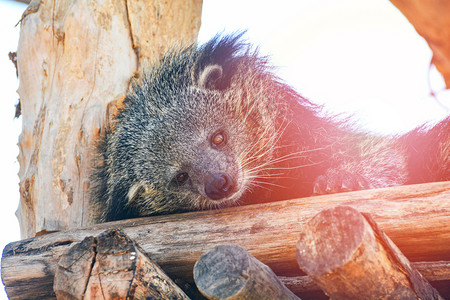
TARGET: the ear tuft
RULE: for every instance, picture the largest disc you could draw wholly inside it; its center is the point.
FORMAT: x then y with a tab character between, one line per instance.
134	192
210	77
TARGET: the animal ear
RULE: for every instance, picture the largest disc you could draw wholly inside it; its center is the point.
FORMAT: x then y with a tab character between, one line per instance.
209	77
134	192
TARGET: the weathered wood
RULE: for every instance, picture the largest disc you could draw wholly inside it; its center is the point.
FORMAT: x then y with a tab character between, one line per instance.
431	21
230	272
75	57
349	257
436	271
74	269
416	218
111	266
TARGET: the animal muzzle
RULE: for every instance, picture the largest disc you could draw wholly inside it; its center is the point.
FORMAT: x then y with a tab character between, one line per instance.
219	186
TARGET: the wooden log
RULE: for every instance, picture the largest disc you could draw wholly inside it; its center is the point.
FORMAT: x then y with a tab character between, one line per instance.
308	289
436	271
416	218
349	257
74	269
431	21
111	266
230	272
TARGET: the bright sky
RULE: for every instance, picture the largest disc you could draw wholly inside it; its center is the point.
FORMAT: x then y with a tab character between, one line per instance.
9	128
356	57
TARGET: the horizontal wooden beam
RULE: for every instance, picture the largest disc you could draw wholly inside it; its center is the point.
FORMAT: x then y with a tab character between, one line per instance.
416	218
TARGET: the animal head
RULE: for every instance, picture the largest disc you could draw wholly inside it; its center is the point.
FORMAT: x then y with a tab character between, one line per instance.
195	132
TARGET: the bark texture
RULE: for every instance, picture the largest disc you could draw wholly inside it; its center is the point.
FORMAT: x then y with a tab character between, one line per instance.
229	272
416	218
349	257
74	58
111	266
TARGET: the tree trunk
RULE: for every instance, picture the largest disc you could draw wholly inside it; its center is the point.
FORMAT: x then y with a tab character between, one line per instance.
431	20
75	57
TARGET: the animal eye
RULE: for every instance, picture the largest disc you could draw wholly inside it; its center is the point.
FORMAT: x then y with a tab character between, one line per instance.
181	178
218	139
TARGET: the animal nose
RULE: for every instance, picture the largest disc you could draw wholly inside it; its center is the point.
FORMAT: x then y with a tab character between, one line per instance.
218	186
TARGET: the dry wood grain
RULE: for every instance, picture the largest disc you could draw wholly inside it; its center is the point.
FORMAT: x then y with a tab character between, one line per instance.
349	257
75	57
229	272
436	271
415	217
111	266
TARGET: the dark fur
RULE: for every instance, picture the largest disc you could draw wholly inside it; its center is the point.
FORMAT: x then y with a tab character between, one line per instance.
275	144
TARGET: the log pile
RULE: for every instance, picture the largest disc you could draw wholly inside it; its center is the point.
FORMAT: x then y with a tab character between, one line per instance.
416	218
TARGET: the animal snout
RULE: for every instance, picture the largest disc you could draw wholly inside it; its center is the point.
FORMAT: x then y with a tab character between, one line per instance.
219	186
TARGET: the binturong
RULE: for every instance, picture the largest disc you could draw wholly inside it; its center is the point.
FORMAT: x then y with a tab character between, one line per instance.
211	126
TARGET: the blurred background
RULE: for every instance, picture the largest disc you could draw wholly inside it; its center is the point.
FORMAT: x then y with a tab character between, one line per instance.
357	58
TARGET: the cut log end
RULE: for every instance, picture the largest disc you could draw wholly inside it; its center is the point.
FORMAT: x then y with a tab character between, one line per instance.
111	266
349	257
222	272
230	272
343	230
416	217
